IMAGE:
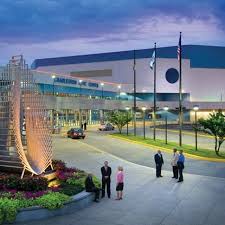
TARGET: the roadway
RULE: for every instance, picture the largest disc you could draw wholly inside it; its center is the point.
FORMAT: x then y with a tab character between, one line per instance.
143	155
204	141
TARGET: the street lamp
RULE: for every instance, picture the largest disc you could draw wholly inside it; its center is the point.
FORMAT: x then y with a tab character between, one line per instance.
53	90
102	85
196	108
80	83
166	110
127	109
144	109
119	88
53	77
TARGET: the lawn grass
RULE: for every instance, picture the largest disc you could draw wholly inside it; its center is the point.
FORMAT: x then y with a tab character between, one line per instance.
209	153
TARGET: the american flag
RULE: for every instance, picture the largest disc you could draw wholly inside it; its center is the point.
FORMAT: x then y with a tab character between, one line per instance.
179	49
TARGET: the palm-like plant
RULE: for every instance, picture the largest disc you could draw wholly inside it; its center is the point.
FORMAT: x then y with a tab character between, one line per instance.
119	119
215	126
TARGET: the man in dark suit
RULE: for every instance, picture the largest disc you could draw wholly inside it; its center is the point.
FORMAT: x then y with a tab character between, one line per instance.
106	179
90	187
158	162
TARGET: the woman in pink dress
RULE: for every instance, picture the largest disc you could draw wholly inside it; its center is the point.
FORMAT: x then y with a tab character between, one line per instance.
119	183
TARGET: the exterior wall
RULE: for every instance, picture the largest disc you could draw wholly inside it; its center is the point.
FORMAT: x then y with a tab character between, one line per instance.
201	114
203	84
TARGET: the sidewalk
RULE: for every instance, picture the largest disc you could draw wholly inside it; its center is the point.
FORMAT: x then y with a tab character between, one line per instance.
147	200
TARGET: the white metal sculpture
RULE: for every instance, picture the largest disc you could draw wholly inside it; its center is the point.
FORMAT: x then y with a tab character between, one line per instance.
26	111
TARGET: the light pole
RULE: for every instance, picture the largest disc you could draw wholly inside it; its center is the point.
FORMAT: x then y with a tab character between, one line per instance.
53	91
127	109
102	85
119	89
135	103
196	108
80	83
166	126
143	109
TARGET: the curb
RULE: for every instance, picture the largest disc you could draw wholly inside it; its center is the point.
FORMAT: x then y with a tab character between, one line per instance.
170	151
78	202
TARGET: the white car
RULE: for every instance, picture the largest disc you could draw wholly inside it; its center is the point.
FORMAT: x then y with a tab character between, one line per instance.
106	127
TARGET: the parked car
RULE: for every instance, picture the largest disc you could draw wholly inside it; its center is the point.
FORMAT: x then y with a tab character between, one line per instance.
106	127
75	133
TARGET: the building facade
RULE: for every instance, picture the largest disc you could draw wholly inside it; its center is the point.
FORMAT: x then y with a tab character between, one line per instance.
203	77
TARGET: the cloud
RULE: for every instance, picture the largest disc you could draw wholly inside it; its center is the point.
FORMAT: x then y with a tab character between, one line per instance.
29	21
163	29
52	28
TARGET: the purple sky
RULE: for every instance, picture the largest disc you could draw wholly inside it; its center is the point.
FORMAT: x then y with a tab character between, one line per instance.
52	28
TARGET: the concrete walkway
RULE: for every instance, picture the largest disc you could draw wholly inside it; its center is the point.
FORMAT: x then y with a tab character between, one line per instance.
143	155
200	200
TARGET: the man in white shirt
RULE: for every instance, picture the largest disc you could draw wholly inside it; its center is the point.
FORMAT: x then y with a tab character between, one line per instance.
174	163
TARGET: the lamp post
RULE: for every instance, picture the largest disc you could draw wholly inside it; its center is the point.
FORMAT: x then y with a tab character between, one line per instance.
143	109
196	108
127	109
53	91
80	83
102	85
166	124
119	88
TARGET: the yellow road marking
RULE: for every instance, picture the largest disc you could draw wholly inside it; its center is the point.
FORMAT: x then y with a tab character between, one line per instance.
191	156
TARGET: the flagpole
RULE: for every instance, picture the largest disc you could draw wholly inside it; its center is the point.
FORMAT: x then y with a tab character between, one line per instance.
154	97
134	68
180	94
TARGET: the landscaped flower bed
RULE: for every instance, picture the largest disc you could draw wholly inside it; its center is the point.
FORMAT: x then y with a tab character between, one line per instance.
37	191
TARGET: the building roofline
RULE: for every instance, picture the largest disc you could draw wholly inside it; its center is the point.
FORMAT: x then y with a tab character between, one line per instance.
199	55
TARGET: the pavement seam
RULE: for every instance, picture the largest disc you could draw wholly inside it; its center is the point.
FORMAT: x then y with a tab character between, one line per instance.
169	150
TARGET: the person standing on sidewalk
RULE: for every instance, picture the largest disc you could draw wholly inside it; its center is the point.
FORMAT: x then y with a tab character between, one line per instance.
174	163
158	163
180	164
106	172
85	125
119	183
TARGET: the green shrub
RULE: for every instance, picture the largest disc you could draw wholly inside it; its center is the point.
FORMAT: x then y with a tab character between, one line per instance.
26	184
76	182
80	174
5	195
81	181
58	164
33	184
20	191
8	209
1	216
52	200
9	206
70	189
11	182
97	182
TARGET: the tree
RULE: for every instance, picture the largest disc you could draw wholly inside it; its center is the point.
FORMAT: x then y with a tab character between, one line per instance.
119	118
215	126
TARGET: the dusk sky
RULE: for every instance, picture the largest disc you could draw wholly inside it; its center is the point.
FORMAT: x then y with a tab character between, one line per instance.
48	28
